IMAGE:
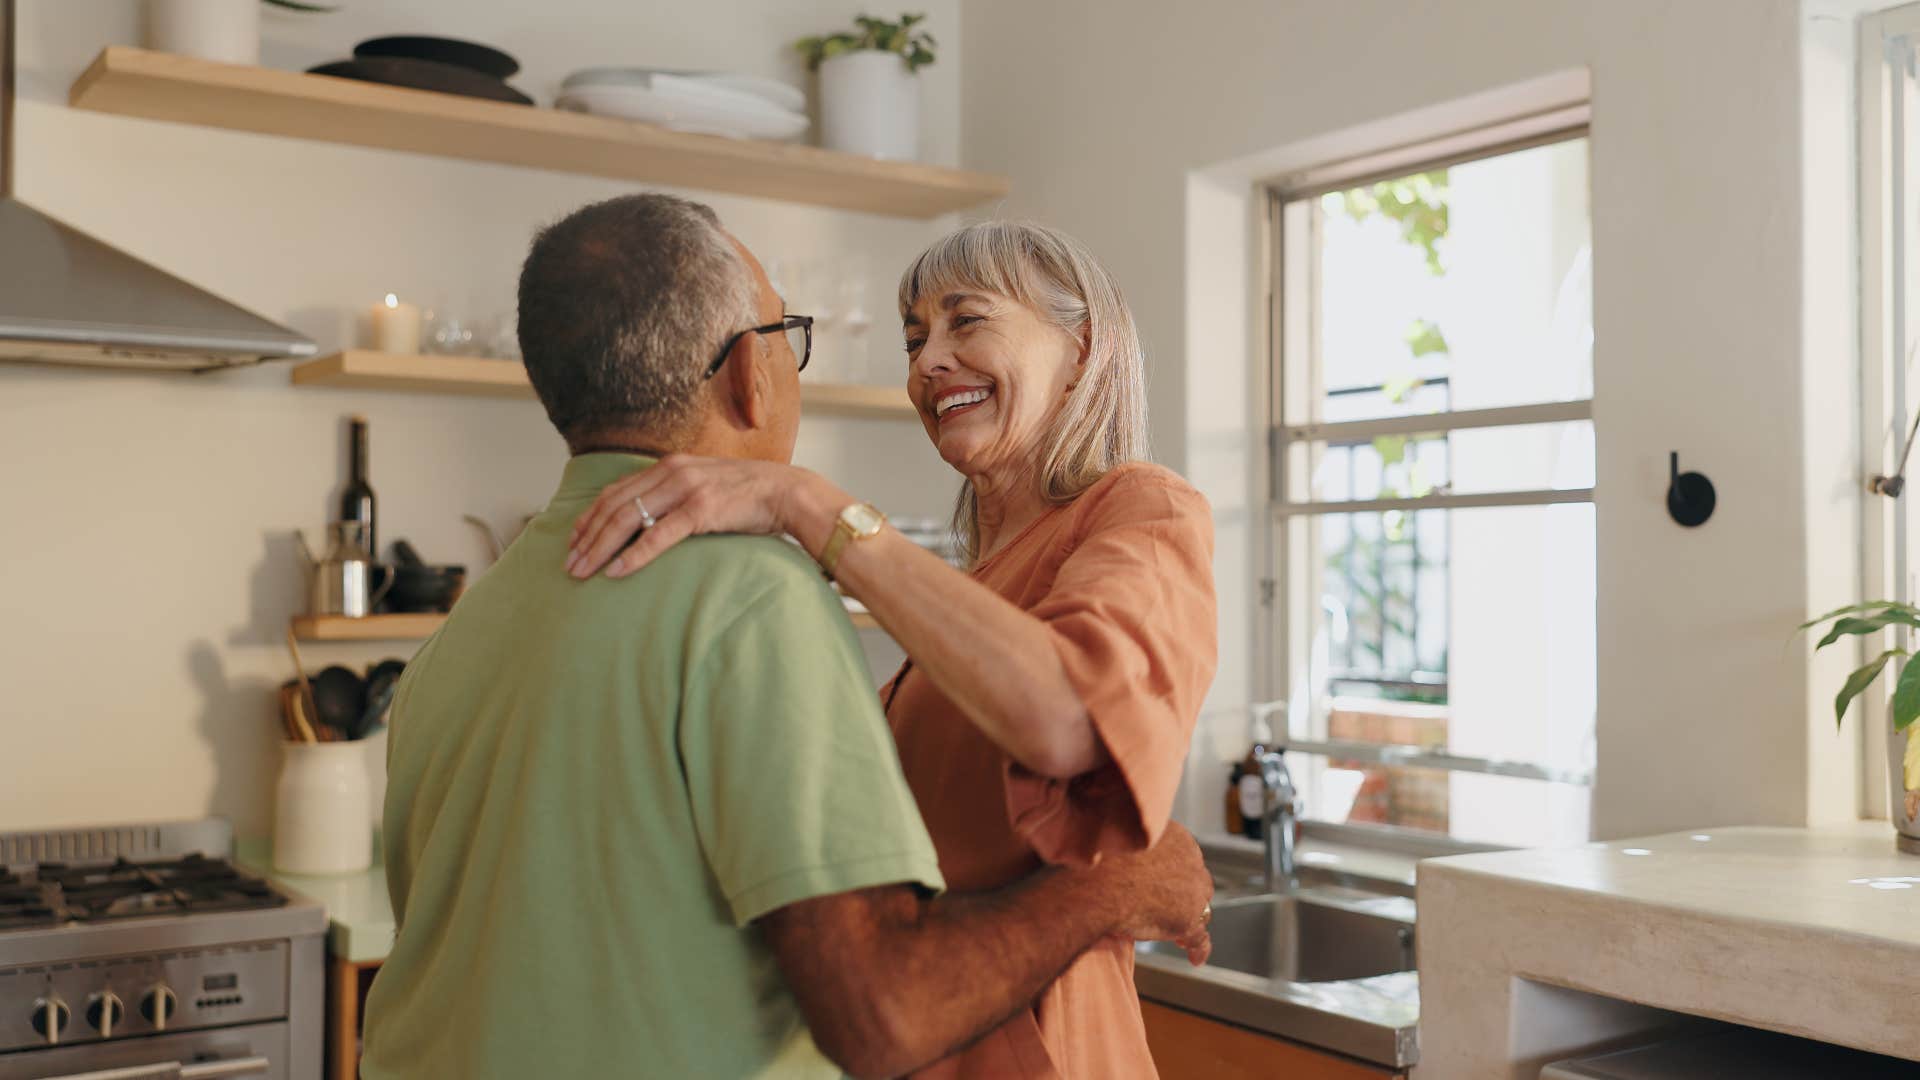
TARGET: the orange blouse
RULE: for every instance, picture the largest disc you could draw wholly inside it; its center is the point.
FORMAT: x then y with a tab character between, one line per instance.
1123	577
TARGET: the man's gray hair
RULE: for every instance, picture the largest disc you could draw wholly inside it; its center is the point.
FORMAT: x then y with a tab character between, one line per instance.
623	305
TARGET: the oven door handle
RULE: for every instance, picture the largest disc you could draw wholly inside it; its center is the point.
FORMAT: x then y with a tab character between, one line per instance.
173	1070
220	1070
159	1070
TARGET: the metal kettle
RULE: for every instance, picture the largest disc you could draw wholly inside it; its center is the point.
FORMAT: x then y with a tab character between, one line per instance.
341	582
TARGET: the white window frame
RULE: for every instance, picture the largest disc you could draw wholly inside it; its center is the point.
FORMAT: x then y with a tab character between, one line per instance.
1884	325
1290	335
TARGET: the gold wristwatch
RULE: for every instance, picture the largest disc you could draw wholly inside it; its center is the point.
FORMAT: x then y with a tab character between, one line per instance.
856	522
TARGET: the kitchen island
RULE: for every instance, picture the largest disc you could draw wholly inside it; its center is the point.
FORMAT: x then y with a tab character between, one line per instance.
1528	957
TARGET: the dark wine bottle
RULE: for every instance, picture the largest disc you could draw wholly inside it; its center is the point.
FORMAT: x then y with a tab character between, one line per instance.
356	499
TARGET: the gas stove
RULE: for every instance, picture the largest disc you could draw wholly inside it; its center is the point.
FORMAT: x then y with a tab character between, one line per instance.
141	952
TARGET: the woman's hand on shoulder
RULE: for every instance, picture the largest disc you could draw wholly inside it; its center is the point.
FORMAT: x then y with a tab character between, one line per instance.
684	496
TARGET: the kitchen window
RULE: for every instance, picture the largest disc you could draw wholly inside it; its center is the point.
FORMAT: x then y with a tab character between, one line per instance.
1430	593
1889	209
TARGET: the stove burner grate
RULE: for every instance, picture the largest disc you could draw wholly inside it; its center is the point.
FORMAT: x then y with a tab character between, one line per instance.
23	905
124	890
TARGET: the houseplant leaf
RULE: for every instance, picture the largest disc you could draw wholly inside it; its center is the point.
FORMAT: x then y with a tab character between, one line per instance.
1906	696
870	32
1848	610
1868	625
1862	676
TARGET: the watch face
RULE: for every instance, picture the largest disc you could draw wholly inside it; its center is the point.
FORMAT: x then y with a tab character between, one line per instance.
864	520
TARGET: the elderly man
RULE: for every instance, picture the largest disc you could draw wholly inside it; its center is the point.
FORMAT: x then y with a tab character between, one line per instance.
655	826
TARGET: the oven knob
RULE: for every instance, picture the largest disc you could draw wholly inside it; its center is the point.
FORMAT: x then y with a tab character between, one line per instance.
104	1012
158	1006
50	1016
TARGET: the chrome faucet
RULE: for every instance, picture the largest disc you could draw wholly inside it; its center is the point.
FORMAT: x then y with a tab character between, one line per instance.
1278	815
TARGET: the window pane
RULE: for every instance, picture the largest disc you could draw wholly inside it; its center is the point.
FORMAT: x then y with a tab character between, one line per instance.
1465	630
1480	809
1459	288
1531	457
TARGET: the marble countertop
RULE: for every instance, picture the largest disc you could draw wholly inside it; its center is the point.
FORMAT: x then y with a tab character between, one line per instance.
1526	956
360	925
1846	879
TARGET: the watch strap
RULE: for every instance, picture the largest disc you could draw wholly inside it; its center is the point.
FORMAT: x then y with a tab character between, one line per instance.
836	545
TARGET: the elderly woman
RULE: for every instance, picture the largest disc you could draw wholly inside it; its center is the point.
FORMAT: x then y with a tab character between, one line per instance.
1051	687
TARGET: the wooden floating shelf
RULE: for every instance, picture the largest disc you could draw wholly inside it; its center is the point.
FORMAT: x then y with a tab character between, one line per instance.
161	86
361	369
367	627
858	614
880	401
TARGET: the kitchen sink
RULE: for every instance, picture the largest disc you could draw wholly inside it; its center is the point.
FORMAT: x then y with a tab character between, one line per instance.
1304	940
1326	965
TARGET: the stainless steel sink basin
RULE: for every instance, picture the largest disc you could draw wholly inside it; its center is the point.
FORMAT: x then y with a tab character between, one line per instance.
1305	940
1328	966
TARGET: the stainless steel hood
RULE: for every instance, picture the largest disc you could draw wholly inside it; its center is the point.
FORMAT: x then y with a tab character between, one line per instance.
67	298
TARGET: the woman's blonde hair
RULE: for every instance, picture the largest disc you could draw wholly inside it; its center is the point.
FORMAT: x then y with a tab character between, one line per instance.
1104	419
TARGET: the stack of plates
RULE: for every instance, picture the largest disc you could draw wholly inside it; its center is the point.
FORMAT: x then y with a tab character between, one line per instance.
443	65
739	106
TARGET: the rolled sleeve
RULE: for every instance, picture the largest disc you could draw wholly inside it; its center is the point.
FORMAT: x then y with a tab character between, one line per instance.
1133	617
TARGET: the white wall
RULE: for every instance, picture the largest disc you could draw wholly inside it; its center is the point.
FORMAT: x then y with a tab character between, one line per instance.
146	564
1114	120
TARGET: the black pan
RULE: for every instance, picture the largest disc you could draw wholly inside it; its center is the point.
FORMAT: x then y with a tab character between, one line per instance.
466	54
341	697
424	75
390	668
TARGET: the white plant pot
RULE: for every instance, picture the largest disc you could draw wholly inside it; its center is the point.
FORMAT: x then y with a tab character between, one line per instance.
321	823
1904	800
870	105
223	30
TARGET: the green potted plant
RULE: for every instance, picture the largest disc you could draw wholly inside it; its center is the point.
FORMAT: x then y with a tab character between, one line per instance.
1903	749
869	85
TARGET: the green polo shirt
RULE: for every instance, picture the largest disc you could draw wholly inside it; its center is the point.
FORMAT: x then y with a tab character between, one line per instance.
595	787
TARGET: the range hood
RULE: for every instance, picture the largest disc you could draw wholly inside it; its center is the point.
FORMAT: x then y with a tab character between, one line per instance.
67	298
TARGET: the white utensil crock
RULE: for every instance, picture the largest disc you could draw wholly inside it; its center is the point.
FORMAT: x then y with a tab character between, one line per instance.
376	750
320	821
223	30
870	105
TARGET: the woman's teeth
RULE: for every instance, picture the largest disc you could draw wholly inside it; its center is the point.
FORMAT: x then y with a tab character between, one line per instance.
955	401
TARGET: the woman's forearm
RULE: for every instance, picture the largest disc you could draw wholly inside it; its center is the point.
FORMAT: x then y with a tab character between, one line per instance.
993	660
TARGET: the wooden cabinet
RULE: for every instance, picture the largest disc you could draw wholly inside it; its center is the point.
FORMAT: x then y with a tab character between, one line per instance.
347	986
1187	1046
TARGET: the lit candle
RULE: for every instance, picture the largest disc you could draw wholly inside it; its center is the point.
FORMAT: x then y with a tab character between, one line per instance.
396	326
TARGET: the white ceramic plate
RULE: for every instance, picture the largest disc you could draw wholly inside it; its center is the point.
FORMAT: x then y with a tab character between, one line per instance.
682	113
789	98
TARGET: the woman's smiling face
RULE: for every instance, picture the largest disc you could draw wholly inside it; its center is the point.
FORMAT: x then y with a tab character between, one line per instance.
987	374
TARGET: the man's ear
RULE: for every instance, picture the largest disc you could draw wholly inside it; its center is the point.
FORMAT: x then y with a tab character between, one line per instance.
747	389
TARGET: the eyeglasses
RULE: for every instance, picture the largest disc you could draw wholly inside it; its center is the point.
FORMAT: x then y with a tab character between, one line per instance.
799	331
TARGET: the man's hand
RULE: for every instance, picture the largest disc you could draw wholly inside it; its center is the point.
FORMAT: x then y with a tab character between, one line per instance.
890	982
1165	892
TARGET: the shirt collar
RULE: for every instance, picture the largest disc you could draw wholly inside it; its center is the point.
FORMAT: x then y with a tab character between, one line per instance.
587	474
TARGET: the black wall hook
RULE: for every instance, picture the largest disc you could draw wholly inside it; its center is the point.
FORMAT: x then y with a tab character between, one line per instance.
1690	496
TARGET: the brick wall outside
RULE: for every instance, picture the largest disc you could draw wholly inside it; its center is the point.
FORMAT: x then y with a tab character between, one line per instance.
1413	798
